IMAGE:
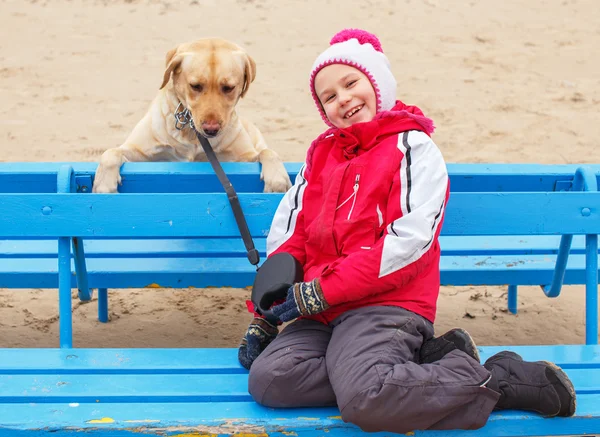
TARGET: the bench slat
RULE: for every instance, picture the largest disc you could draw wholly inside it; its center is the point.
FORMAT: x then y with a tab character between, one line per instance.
128	388
234	247
209	214
44	361
190	177
125	388
250	419
16	361
131	215
239	273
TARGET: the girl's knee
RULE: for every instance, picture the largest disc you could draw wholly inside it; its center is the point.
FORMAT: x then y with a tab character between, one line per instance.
260	379
269	384
289	382
366	412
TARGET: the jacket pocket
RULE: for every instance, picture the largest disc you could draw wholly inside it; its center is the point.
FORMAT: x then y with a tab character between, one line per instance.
352	236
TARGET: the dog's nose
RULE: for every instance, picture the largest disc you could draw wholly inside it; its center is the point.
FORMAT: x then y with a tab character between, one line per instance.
211	127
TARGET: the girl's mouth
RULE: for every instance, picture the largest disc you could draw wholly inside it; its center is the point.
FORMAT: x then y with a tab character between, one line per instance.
353	111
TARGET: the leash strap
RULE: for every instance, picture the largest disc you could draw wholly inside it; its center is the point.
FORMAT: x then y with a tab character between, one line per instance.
240	219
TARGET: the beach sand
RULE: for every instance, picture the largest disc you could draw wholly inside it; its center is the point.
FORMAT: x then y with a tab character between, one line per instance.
506	82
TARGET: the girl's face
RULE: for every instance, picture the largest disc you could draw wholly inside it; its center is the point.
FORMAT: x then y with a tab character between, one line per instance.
346	95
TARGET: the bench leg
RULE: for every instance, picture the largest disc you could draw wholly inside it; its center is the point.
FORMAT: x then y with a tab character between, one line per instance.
591	289
103	305
65	315
85	294
64	293
512	299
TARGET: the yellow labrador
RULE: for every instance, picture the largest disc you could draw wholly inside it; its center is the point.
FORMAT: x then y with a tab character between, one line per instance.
207	78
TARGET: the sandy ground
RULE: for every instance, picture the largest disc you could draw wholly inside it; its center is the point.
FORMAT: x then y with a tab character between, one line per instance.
505	82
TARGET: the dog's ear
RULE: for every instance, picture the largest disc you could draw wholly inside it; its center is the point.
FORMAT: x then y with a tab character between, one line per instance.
249	73
171	63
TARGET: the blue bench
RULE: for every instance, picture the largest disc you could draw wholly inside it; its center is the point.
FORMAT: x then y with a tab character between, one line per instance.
30	259
201	392
204	392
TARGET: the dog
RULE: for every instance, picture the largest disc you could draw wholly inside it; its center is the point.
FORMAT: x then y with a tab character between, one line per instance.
202	83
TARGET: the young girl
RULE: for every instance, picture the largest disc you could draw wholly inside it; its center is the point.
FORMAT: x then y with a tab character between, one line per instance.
363	218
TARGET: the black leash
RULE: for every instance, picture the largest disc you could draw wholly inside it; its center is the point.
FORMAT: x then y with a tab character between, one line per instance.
252	254
183	117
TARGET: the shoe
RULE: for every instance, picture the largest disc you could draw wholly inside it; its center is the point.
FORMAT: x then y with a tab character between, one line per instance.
538	386
433	350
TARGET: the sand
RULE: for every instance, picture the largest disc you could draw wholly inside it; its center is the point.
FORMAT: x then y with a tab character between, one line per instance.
505	82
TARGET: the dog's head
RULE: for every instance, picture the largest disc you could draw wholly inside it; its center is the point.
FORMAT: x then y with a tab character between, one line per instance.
209	77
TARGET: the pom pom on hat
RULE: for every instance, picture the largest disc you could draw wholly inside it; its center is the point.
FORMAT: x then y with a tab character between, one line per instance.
362	36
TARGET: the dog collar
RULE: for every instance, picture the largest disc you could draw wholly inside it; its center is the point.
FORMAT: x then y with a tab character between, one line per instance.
183	117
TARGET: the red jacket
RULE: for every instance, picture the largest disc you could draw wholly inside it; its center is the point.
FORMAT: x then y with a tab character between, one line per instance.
365	213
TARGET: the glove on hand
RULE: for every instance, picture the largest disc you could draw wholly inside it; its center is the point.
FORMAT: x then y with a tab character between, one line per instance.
258	336
303	299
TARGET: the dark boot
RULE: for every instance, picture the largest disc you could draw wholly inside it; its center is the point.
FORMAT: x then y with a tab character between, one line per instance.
537	386
433	350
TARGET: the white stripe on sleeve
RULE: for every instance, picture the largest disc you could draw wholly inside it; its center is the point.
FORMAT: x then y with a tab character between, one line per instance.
284	221
424	180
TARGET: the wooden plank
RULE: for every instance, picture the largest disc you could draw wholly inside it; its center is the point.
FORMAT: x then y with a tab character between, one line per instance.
234	247
142	248
523	213
132	388
508	269
566	356
250	419
126	388
162	215
16	361
190	177
132	215
50	361
238	272
453	245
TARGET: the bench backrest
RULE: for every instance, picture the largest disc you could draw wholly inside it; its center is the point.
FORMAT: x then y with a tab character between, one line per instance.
205	215
38	177
151	215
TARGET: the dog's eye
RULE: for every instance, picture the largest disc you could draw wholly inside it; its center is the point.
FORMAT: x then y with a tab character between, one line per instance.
196	87
227	89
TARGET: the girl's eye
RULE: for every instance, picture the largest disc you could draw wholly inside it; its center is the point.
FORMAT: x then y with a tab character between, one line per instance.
352	82
330	98
196	86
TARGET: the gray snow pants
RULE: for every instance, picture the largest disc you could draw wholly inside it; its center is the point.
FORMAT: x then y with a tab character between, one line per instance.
365	363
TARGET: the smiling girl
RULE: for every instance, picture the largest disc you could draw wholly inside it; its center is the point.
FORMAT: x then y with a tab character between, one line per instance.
363	218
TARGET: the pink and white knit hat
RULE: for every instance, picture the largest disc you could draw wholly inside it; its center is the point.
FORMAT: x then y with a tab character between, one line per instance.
361	50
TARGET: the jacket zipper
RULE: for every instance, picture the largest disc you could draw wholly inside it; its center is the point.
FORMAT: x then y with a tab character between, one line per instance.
352	196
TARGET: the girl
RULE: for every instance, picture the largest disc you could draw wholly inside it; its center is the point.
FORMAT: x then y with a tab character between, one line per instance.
363	218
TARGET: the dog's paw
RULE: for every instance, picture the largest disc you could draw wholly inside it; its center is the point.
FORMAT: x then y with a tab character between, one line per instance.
103	183
278	183
104	189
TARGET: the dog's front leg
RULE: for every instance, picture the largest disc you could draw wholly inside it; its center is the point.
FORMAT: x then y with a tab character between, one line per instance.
108	174
273	172
135	149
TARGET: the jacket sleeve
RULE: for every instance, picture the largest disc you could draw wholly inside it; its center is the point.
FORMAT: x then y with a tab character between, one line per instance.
414	216
287	232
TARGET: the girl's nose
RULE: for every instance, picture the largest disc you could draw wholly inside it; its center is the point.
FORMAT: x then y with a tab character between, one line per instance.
345	98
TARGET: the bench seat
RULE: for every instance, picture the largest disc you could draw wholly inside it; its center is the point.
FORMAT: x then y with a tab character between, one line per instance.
203	392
